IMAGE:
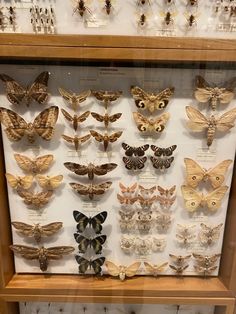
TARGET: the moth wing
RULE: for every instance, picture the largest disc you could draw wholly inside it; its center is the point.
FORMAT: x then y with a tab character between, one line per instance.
27	252
214	198
138	93
24	162
112	269
12	180
149	267
114	117
217	174
84	138
67	115
23	228
97	221
201	82
65	94
195	173
169	150
82	241
226	96
198	121
57	252
97	263
101	188
141	121
129	150
81	219
172	190
83	263
44	123
158	151
15	92
191	198
68	138
97	116
114	137
161	190
98	137
42	180
80	188
51	228
226	121
161	121
76	168
97	243
140	151
132	269
162	98
55	181
104	168
42	163
81	97
43	197
202	94
38	90
83	116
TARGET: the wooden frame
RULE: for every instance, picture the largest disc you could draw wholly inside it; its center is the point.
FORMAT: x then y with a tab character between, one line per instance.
68	288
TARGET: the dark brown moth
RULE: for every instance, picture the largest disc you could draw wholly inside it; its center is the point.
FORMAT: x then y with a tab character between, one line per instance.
106	138
17	93
106	96
81	8
159	163
74	99
77	141
108	6
142	20
90	169
136	151
42	254
37	231
106	119
37	200
160	151
75	119
91	189
16	127
126	200
137	163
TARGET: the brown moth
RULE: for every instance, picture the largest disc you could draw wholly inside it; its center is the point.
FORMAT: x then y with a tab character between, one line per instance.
106	119
106	138
206	260
179	269
90	169
146	202
126	200
19	182
207	270
48	182
146	191
81	8
163	221
127	222
37	165
75	119
136	151
179	260
185	234
137	163
37	200
122	271
161	164
155	269
42	254
166	192
198	122
144	221
208	235
91	189
151	125
74	99
143	246
151	101
16	127
107	96
37	231
128	189
77	141
166	198
17	93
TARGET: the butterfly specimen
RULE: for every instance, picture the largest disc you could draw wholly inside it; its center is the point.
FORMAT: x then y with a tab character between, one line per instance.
137	163
193	200
166	198
106	138
146	203
19	182
127	222
163	221
185	234
16	127
151	125
122	271
37	231
136	151
128	189
155	269
144	221
143	246
152	101
106	96
127	244
198	122
159	163
206	93
75	119
91	189
208	235
91	170
85	264
85	243
48	182
37	165
126	200
74	99
106	119
196	174
95	222
17	93
42	254
37	200
146	191
77	141
159	151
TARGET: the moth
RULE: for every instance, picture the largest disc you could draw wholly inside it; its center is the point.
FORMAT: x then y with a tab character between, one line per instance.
208	235
166	198
160	151
122	271
16	127
151	125
135	151
127	244
19	182
196	174
74	99
179	269
206	260
37	165
91	170
106	119
42	254
179	260
85	264
143	246
168	17
107	96
198	122
151	101
127	222
95	222
146	203
158	244
128	189
37	231
85	243
146	191
166	192
48	182
106	138
37	91
193	200
91	189
205	270
137	163
191	20
163	221
155	269
126	200
185	234
142	20
76	141
144	221
161	164
75	119
37	200
205	93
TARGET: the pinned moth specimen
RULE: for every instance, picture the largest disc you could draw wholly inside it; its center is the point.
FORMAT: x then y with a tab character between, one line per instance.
74	99
19	182
155	269
127	244
135	151
144	221
137	163
85	243
37	231
126	200
233	11
107	96
17	93
106	138
163	221
185	234
127	222
81	8
206	260
108	7
165	152
142	20
151	101
146	203
37	165
205	270
77	141
166	198
146	191
166	192
91	189
37	200
198	122
85	264
208	235
179	269
193	199
122	271
161	164
143	246
91	170
48	182
196	174
179	260
42	254
106	119
75	120
151	125
95	222
128	189
16	127
158	244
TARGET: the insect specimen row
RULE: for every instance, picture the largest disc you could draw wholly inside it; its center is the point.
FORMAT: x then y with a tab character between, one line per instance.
43	20
8	18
